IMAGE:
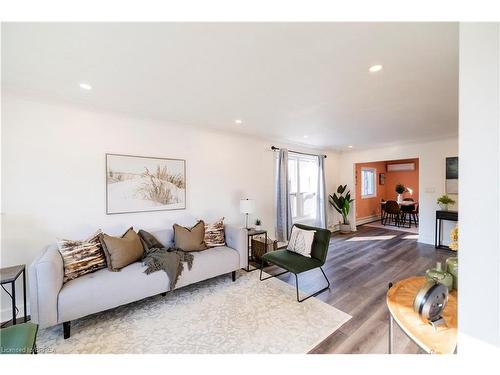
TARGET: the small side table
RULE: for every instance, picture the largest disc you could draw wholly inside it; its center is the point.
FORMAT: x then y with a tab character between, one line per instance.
251	233
440	216
9	275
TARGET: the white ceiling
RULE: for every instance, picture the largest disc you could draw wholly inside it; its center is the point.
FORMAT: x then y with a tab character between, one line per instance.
285	81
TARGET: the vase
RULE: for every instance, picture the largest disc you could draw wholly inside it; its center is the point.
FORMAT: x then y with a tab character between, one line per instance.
452	268
440	276
258	227
345	228
444	207
399	198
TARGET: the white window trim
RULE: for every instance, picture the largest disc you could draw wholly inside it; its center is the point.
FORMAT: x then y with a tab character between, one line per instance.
374	195
300	195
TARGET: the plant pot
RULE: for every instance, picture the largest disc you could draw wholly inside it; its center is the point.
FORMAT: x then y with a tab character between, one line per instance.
258	227
444	207
399	198
345	228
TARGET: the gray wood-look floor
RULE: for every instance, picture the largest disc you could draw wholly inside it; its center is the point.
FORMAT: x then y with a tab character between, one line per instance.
359	271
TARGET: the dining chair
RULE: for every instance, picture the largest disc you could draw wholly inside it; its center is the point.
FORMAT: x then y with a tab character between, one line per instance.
392	213
382	210
407	214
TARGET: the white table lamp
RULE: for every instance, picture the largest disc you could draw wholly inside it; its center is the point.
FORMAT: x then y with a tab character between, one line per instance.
247	206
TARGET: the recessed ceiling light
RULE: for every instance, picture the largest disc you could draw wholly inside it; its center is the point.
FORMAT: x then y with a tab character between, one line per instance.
306	136
85	86
239	122
375	68
350	146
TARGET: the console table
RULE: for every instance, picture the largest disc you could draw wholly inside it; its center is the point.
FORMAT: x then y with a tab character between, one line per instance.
400	298
440	216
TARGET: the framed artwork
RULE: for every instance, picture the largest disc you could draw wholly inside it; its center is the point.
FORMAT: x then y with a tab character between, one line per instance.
381	179
141	183
452	175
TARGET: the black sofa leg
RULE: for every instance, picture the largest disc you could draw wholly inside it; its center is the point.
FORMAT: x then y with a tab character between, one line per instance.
67	330
233	276
164	294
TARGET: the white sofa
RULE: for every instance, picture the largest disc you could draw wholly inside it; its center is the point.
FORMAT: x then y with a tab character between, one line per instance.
53	302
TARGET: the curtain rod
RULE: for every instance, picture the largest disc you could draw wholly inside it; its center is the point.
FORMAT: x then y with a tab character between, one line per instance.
274	148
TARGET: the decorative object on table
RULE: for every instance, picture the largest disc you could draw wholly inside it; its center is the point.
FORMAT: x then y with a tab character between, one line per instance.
430	302
440	276
342	204
381	178
251	233
452	175
444	201
400	189
454	238
9	275
400	302
19	339
214	234
247	207
258	224
452	269
260	247
139	184
296	263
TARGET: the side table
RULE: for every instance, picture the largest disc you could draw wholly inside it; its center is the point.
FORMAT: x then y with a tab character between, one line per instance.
9	275
251	233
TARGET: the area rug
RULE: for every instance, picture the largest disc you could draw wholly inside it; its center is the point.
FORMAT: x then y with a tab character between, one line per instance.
213	316
378	224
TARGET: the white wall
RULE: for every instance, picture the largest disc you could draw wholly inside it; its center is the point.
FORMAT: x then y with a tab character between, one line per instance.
53	176
431	156
479	242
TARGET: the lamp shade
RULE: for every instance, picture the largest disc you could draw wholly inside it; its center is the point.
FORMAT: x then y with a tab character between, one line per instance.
247	206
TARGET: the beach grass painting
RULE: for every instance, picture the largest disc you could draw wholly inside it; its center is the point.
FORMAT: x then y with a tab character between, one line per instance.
138	184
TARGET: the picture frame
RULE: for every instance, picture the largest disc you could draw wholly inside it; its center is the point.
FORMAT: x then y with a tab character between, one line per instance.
381	178
144	184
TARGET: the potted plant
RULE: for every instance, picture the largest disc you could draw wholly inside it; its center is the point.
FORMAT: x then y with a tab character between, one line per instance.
258	224
444	201
400	189
342	204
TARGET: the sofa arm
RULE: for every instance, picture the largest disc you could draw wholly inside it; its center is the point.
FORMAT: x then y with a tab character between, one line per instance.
236	238
45	281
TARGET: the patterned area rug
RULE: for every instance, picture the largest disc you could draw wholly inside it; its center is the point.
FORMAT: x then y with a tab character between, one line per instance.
213	316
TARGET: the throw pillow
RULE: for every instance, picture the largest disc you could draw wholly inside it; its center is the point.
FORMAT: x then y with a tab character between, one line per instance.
214	234
190	239
301	241
122	251
81	257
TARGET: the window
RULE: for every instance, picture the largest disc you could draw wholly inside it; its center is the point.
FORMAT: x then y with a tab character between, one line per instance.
368	182
303	176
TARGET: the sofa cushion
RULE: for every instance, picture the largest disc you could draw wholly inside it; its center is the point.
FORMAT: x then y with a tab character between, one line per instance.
120	252
81	257
103	290
190	239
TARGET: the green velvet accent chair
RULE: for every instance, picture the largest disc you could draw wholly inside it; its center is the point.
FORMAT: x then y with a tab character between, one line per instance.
19	339
296	263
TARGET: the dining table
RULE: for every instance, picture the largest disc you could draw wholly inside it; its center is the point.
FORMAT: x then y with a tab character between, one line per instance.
401	204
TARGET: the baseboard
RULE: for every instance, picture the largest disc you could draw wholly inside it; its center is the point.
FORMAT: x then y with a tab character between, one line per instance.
367	219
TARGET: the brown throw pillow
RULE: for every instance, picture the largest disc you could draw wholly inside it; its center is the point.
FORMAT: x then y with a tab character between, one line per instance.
190	239
214	234
120	252
81	257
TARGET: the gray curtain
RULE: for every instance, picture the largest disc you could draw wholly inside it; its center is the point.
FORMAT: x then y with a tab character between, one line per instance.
321	220
283	209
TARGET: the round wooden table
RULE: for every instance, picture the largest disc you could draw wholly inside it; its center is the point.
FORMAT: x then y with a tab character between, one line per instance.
400	297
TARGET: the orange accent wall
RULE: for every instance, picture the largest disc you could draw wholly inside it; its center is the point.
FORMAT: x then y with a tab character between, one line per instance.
407	178
371	206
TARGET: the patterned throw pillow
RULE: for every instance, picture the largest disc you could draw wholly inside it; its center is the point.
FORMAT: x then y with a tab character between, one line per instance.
214	234
301	241
81	257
